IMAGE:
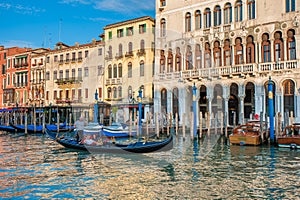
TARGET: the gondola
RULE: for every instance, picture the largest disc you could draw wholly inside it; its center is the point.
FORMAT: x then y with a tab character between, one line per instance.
39	128
114	147
7	128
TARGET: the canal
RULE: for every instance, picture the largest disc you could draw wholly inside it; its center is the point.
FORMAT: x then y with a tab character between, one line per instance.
34	167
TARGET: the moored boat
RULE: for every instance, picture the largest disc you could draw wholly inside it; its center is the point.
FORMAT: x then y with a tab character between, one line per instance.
290	137
112	147
39	128
118	130
7	128
250	133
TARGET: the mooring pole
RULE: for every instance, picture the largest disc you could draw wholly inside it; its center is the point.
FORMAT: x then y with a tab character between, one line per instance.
271	110
195	111
96	107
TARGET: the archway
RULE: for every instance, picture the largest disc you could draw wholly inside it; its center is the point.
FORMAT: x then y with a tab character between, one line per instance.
175	102
233	104
164	102
217	102
249	101
289	96
203	100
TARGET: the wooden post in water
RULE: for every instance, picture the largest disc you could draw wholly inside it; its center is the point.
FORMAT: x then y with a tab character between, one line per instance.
57	123
192	125
147	124
221	123
261	125
291	117
279	122
200	124
156	124
226	125
176	123
216	122
130	123
44	123
183	125
26	127
34	119
168	125
70	121
171	120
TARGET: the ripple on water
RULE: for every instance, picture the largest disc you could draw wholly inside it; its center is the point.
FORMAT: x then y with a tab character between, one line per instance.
33	166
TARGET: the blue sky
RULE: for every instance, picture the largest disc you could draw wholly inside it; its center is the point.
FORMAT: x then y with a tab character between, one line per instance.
41	23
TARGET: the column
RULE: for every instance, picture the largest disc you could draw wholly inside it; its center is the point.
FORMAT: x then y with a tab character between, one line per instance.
285	49
273	59
169	101
242	112
244	51
259	51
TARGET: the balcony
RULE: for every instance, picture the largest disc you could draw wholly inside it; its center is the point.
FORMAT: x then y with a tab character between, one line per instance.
119	56
129	54
72	80
141	52
67	60
109	57
67	101
61	62
253	69
113	81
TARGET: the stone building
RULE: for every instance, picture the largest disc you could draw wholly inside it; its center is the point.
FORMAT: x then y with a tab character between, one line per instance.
73	75
228	49
129	63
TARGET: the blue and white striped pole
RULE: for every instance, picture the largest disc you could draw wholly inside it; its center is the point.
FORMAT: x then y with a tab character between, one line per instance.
271	109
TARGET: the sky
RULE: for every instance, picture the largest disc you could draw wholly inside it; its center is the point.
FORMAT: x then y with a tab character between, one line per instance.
43	23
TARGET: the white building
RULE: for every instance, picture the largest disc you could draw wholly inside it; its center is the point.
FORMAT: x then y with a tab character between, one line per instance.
228	49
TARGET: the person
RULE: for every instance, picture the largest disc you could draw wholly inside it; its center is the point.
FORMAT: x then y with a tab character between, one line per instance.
79	125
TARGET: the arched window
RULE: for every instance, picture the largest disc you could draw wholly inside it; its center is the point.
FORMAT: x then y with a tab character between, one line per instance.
217	16
178	60
291	45
207	55
120	70
238	51
130	97
120	91
170	61
217	54
198	57
164	102
130	47
162	61
129	70
266	48
251	9
109	71
189	58
162	27
142	68
109	93
115	71
163	3
227	13
175	101
250	50
115	92
188	22
227	53
238	11
278	46
289	5
142	45
207	18
120	50
289	95
198	23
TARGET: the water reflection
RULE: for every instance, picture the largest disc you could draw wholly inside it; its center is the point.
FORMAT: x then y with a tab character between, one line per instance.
32	166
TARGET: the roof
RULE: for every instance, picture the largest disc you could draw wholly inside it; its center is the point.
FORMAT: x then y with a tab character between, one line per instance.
130	21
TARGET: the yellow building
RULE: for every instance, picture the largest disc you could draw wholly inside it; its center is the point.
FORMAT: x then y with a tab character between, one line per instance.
129	64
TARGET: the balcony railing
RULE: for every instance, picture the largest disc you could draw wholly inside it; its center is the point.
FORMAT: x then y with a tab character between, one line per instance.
141	52
114	81
234	70
63	81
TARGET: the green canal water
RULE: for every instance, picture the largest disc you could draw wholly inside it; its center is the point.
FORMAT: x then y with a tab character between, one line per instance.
34	167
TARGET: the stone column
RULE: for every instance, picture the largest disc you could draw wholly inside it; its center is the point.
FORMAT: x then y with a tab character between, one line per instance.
242	112
285	49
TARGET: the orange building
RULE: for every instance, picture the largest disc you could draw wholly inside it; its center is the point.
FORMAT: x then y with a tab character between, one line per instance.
14	63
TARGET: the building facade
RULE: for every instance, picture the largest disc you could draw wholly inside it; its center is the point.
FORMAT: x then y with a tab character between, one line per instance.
13	61
228	49
74	74
129	63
